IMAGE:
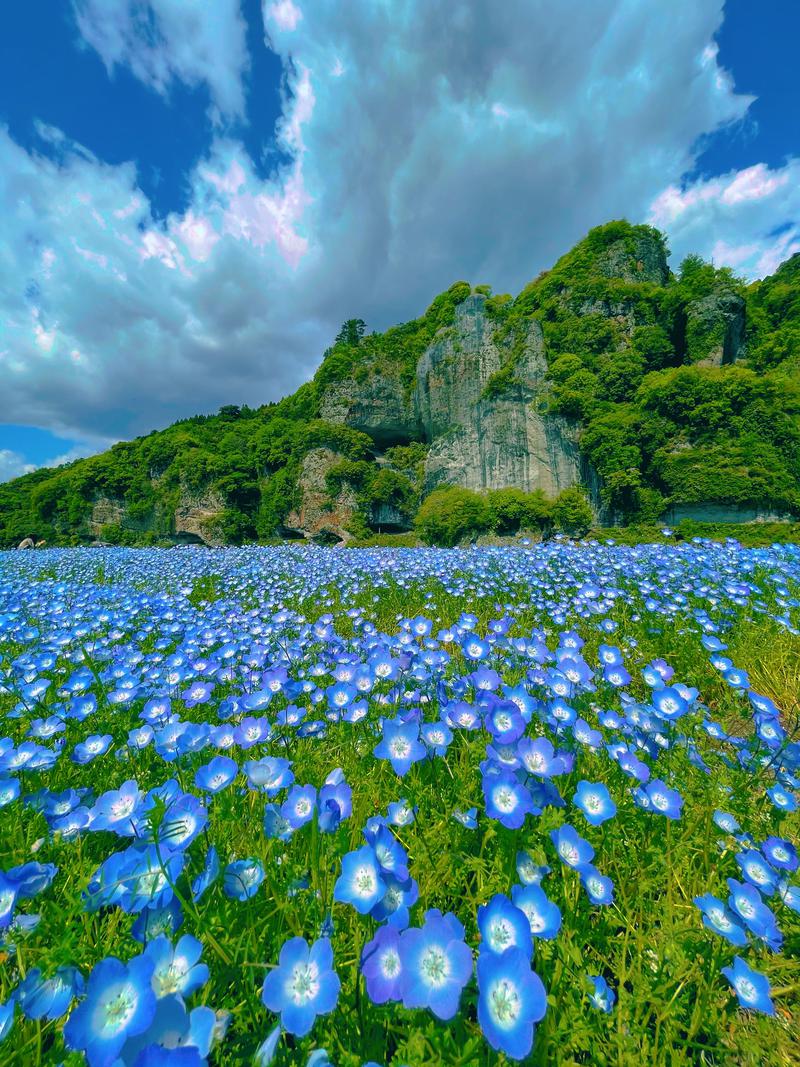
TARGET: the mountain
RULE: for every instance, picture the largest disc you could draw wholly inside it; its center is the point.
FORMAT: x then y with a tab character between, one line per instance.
661	395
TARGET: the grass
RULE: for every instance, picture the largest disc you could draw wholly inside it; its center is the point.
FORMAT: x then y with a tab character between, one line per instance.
673	1004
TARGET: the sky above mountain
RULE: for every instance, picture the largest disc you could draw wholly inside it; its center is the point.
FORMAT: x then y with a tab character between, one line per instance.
195	195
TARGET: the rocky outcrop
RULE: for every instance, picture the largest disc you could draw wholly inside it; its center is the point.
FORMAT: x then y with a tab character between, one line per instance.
715	328
320	517
639	258
377	405
480	437
724	513
197	517
485	438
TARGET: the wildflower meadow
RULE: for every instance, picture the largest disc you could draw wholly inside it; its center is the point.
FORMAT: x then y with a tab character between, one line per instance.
297	805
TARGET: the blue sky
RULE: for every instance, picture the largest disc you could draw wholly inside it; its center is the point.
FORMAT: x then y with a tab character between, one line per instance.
196	195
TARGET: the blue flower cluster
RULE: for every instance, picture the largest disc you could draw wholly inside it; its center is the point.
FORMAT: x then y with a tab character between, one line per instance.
139	718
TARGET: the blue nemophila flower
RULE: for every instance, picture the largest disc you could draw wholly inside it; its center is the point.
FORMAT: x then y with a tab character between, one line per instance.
437	964
757	871
782	799
7	1018
119	1004
503	925
507	799
572	849
467	819
544	917
361	882
529	872
720	920
780	853
539	757
599	888
400	744
8	899
663	800
602	995
275	824
669	703
31	878
299	806
746	901
751	988
216	775
242	879
48	998
303	985
176	969
208	875
265	1053
594	800
511	1000
726	822
91	748
381	965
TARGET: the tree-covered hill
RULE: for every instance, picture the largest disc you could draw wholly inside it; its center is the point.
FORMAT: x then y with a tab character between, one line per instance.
654	390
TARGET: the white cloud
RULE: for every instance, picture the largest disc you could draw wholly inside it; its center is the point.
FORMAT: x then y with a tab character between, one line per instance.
283	14
12	465
408	165
201	42
744	219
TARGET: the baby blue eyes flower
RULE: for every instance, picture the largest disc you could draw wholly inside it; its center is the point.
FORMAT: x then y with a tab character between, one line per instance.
511	1000
360	883
119	1004
300	806
726	822
757	871
572	849
216	775
400	745
780	853
720	920
468	819
176	969
751	988
599	888
782	799
669	703
544	917
303	985
507	800
48	998
663	800
242	879
503	925
602	995
595	802
436	964
6	1018
382	967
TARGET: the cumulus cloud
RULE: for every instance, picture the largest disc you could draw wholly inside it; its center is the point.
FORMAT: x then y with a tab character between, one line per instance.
745	219
12	465
163	41
461	140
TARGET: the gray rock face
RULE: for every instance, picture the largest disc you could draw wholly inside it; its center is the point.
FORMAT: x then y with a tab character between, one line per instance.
318	517
718	320
481	441
479	438
378	406
646	262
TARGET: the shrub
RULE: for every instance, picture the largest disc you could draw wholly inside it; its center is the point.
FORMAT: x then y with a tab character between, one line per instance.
510	509
572	513
449	514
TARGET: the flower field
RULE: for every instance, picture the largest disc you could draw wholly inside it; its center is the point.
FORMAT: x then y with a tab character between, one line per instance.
400	806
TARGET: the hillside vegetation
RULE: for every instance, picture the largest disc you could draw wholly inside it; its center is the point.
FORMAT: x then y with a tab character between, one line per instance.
683	389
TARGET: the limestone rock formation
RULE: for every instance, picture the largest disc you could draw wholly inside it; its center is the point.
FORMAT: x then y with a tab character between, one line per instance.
317	516
715	326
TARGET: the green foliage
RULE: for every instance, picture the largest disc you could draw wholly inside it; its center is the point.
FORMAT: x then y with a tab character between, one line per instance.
448	515
572	513
511	510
